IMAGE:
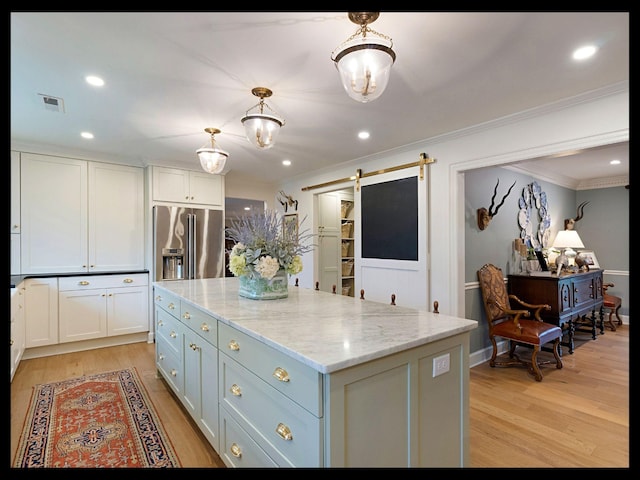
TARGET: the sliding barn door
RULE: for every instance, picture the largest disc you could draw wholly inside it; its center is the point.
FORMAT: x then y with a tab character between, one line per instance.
391	237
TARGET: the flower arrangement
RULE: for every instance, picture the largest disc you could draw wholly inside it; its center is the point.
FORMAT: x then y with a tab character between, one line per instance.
264	245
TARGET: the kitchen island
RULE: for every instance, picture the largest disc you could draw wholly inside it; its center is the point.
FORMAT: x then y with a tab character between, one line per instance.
315	379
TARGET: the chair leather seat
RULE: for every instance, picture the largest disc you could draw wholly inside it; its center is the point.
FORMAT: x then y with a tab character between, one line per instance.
532	332
611	301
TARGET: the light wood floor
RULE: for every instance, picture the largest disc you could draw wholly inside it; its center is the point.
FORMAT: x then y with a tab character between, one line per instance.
576	417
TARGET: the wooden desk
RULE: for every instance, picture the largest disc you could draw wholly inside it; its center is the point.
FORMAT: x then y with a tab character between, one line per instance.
571	296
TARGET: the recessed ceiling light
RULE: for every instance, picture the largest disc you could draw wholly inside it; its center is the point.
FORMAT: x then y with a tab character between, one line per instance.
86	135
585	52
286	163
614	162
363	135
95	81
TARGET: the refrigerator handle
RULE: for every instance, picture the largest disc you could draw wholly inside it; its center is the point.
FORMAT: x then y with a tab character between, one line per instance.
189	259
193	247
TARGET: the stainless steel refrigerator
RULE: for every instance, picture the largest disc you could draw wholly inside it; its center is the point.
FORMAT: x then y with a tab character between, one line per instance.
188	242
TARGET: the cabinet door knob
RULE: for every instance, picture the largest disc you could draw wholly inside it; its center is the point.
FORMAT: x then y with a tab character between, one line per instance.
284	431
174	372
281	374
235	450
204	327
171	306
158	298
233	345
186	315
173	334
160	324
235	390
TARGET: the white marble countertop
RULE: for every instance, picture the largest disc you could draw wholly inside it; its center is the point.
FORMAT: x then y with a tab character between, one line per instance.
326	331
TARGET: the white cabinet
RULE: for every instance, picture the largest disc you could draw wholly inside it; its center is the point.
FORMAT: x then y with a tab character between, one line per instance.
80	216
41	311
116	217
15	213
102	305
15	192
54	214
18	332
186	186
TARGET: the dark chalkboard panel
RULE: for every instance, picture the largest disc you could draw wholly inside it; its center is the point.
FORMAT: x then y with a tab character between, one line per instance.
390	219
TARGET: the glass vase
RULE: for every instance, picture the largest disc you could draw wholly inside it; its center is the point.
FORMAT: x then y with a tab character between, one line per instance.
263	289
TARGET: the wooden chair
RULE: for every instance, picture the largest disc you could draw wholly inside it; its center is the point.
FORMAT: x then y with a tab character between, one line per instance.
509	324
612	303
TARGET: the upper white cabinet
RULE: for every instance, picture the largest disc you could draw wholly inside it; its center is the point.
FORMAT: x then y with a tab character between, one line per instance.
53	202
186	186
15	192
80	216
116	217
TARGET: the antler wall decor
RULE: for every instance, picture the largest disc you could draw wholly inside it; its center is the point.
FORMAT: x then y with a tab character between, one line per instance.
485	215
569	223
287	201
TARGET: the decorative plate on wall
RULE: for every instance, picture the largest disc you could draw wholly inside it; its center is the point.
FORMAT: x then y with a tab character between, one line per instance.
533	198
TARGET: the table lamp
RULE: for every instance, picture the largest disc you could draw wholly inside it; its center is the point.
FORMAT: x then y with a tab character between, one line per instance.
567	240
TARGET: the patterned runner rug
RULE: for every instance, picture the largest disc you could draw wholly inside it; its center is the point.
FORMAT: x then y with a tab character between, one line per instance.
104	420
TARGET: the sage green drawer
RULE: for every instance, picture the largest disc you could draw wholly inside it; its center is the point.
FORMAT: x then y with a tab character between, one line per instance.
288	433
237	448
294	379
170	365
200	322
168	301
170	330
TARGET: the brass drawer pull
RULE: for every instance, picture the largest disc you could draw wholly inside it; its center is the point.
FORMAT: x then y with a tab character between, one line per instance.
160	324
83	283
186	315
235	450
281	374
233	345
158	298
173	334
235	390
161	356
174	372
284	431
128	280
171	306
204	327
194	347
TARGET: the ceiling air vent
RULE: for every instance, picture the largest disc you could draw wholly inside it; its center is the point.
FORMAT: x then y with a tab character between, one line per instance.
53	104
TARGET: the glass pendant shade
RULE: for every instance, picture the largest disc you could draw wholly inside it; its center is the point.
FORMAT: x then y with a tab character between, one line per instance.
365	67
261	129
364	62
212	159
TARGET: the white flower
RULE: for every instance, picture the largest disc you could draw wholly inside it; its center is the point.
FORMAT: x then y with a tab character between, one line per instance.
267	267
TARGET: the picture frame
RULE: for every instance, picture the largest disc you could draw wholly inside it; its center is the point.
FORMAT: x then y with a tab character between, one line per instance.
589	258
290	225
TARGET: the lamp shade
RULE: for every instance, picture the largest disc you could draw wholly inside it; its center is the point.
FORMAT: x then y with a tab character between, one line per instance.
212	160
568	239
261	129
364	65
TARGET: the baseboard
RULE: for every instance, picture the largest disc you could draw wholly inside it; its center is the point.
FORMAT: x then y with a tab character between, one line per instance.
69	347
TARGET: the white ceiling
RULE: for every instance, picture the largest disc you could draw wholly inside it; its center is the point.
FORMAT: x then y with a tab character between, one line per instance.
169	75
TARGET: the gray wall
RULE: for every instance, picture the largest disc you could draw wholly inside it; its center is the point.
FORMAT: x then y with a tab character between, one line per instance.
604	229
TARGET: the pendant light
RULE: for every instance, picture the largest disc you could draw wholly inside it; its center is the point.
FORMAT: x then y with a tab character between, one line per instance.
212	158
364	62
262	128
